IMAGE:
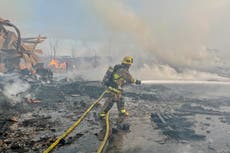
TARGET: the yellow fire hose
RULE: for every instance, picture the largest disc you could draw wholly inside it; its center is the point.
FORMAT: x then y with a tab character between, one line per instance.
68	131
102	145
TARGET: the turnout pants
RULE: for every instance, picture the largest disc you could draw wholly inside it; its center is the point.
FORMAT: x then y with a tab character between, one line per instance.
111	99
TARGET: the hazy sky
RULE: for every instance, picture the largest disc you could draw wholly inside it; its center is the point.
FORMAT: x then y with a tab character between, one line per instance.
69	19
177	32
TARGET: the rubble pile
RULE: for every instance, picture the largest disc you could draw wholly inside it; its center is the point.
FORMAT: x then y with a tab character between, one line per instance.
14	49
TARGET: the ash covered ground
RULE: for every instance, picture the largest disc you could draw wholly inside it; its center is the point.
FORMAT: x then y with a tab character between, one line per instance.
172	118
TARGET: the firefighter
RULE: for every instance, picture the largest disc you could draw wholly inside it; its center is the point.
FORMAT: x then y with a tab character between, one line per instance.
119	78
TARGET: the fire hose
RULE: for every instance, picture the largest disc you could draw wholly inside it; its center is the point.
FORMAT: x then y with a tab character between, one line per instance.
71	128
102	145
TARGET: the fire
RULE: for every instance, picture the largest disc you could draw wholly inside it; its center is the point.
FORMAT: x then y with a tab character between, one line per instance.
54	63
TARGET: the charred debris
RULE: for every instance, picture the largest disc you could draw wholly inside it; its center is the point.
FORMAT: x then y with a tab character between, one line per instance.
24	113
31	119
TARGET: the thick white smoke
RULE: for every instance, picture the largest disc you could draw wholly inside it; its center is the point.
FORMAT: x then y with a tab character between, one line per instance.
14	88
179	39
181	46
165	72
171	33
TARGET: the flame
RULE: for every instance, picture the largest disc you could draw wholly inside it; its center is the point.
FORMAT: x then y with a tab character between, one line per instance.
54	63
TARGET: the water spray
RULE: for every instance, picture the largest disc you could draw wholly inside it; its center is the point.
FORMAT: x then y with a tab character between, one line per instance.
185	82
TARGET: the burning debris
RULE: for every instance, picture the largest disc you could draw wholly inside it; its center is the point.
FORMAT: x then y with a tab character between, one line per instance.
57	66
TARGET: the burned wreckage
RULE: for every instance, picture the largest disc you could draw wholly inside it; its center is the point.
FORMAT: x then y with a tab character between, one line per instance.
169	118
19	54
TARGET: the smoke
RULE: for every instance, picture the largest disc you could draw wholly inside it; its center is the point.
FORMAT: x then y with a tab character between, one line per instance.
165	72
171	34
179	40
121	18
14	88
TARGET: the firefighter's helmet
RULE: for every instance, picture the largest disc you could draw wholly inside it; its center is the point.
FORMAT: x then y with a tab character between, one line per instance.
127	60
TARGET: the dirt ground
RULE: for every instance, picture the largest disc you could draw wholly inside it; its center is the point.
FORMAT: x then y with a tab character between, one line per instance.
163	118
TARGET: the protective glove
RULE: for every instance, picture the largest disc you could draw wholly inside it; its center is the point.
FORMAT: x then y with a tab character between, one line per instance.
138	82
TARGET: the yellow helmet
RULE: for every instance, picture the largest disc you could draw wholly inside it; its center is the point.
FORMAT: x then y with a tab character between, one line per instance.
127	60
